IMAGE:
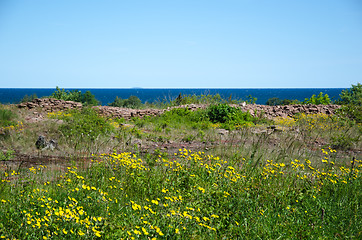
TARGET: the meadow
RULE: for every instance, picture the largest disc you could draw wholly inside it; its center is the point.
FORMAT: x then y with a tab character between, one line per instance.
215	173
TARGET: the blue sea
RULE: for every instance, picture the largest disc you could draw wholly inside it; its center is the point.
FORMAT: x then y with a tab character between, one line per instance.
106	96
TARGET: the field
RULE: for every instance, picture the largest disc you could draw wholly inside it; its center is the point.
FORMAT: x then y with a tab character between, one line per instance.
215	173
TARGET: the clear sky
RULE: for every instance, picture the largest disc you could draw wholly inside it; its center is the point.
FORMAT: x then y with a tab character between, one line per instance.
180	43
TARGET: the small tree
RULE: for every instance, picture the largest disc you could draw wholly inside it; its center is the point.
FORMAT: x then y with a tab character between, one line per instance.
118	102
89	99
75	95
29	98
352	96
320	99
274	101
131	102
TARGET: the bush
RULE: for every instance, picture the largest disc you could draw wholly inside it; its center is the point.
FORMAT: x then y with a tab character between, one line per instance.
320	99
131	102
352	112
87	99
198	99
352	96
230	117
277	101
7	117
220	113
27	98
86	124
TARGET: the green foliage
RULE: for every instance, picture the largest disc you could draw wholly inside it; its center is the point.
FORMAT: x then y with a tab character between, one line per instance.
343	141
131	102
250	99
118	102
351	112
86	124
27	98
223	113
8	155
88	99
320	99
61	94
352	96
277	101
7	117
198	99
178	117
189	195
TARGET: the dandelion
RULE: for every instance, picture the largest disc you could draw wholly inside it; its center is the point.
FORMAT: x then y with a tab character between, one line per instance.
201	189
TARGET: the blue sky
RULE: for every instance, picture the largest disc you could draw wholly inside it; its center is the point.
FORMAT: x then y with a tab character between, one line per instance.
180	44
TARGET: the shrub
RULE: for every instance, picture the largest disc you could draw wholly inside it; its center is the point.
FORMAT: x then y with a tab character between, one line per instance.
7	117
131	102
88	99
198	99
27	98
277	101
351	96
320	99
274	101
86	124
220	113
8	155
230	117
351	112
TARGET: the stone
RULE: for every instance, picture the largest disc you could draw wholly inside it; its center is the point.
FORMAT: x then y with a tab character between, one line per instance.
41	143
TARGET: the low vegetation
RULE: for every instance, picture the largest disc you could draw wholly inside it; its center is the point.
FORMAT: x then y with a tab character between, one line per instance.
87	98
214	173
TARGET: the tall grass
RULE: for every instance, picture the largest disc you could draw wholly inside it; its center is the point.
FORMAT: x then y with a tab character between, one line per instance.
190	195
249	183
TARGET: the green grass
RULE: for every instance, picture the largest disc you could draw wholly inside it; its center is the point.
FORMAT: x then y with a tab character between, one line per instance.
251	183
191	195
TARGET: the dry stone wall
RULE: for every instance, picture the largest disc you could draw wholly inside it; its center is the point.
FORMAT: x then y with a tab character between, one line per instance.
53	105
50	104
287	110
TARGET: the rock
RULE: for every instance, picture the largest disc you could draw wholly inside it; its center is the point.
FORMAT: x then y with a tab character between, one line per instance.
52	144
51	105
43	144
222	131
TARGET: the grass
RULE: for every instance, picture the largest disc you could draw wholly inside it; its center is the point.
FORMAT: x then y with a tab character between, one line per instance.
299	181
188	195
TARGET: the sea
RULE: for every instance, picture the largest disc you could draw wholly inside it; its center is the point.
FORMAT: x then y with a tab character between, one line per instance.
106	96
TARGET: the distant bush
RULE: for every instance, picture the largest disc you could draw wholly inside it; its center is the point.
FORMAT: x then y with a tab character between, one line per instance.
352	112
320	99
230	117
197	99
7	117
131	102
277	101
351	96
87	98
29	98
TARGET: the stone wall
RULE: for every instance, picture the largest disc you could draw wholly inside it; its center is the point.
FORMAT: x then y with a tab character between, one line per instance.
51	105
288	110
